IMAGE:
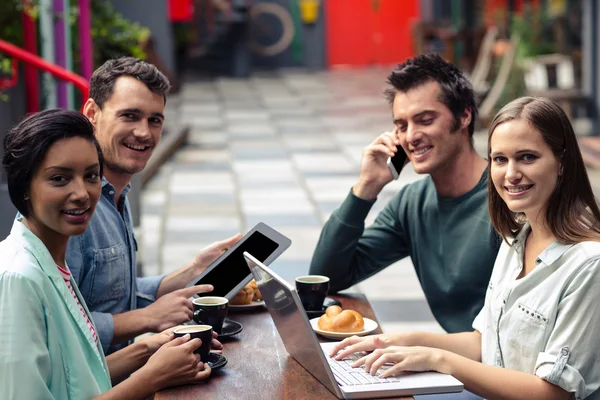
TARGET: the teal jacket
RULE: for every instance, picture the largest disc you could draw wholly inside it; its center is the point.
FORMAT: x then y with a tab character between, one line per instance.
46	349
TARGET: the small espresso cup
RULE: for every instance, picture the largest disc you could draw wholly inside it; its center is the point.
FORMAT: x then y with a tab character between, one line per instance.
211	311
202	332
312	290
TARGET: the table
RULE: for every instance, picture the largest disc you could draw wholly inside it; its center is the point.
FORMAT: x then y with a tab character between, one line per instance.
258	365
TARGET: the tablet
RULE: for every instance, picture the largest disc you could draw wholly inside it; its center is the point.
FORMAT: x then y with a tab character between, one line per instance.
230	273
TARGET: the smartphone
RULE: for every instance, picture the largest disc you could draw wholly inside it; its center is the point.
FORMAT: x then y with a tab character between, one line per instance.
396	163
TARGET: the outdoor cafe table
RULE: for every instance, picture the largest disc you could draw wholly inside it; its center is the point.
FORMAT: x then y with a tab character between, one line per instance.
259	367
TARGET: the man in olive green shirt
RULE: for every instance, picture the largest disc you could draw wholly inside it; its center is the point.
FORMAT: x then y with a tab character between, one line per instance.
442	221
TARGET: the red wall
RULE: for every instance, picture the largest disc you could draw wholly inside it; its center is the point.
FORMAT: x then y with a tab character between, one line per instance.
367	32
180	10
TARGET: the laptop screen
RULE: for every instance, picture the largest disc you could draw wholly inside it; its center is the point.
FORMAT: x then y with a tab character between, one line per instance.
292	323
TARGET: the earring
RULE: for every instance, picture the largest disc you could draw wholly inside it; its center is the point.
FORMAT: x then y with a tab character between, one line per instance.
26	197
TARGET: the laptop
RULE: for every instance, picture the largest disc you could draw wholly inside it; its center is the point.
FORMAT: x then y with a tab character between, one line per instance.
339	377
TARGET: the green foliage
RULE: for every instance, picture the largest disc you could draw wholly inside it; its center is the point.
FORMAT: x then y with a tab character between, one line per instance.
11	21
11	29
114	35
534	29
5	64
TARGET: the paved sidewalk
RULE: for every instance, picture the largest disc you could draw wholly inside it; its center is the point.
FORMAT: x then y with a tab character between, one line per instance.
281	148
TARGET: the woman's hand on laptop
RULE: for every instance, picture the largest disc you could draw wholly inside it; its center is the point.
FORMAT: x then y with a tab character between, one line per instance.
354	344
403	358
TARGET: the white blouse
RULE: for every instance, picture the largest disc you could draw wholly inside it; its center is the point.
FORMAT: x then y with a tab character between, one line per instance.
548	322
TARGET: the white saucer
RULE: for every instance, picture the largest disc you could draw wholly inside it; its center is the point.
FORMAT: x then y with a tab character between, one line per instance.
370	326
244	307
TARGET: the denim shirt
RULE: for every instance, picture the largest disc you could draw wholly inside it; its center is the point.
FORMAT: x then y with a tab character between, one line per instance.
103	263
548	322
46	348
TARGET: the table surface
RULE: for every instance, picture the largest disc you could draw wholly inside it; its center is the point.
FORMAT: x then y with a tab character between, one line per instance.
258	365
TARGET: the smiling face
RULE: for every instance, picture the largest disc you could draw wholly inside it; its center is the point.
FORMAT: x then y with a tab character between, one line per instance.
128	127
523	168
425	127
64	190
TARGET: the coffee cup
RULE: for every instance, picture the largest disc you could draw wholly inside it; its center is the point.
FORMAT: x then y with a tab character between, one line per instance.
211	311
202	332
312	290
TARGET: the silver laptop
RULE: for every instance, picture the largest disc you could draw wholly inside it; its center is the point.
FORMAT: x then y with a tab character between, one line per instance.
339	377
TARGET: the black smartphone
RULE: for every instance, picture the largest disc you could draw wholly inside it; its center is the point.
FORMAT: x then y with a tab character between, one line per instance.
396	163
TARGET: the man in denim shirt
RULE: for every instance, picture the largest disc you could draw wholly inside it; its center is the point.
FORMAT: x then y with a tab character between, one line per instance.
126	107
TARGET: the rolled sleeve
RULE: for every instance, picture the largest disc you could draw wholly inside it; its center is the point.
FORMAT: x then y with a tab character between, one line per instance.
571	354
105	328
479	323
555	369
147	287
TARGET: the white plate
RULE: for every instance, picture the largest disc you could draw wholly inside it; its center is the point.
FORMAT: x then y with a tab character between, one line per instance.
251	306
369	327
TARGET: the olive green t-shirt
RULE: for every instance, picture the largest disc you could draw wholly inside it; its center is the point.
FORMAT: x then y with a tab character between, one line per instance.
451	242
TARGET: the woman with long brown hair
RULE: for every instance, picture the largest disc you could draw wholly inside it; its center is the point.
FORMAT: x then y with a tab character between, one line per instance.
536	336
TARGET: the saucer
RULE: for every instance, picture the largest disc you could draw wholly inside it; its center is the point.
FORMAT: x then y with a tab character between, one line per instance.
327	303
247	307
230	328
369	327
216	360
315	314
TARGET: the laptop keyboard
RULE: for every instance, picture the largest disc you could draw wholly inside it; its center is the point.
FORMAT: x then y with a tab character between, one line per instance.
345	375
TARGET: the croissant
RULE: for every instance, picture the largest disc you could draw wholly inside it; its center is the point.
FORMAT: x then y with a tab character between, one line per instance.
243	297
254	286
336	320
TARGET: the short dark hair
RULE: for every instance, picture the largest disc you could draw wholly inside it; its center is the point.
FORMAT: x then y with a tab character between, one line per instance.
457	92
26	145
572	213
103	79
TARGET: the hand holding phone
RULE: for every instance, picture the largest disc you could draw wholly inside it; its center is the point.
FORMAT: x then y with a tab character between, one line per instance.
397	162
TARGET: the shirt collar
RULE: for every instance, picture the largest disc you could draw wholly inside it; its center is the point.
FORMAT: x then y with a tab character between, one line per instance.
109	191
550	253
39	250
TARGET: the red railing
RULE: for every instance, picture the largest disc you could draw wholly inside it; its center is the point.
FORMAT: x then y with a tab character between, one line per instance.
59	72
